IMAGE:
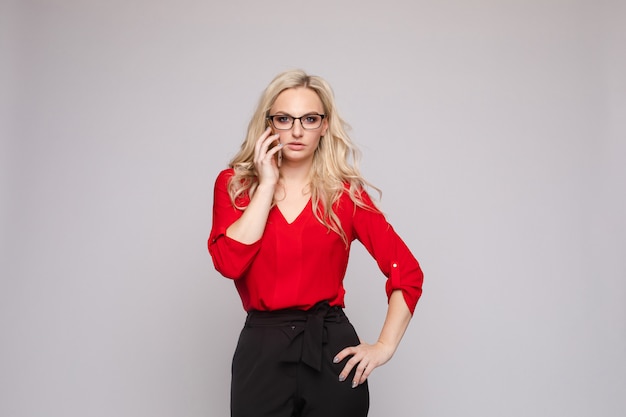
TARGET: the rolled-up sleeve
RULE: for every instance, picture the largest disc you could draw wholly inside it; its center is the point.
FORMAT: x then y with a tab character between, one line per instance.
230	257
392	255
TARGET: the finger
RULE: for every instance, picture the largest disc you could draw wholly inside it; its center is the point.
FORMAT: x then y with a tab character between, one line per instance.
270	154
350	350
267	154
352	362
275	149
261	140
261	151
268	141
359	377
367	371
263	136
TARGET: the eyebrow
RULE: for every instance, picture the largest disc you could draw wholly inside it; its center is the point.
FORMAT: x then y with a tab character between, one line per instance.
284	113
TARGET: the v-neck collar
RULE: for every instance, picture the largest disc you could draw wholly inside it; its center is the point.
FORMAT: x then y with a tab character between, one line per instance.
300	215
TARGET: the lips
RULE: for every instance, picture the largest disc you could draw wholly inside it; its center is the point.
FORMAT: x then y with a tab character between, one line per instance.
295	146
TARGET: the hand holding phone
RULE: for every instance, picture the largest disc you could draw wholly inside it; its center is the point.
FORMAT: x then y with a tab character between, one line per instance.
279	154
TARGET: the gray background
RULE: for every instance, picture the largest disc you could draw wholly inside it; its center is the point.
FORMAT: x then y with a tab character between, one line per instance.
496	130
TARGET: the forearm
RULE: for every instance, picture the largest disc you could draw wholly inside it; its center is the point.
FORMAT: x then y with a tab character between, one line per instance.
250	226
396	322
367	356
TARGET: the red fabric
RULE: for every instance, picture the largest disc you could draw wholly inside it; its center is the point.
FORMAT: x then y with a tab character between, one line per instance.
299	264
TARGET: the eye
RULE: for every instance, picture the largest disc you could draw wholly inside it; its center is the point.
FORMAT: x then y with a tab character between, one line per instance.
282	119
311	119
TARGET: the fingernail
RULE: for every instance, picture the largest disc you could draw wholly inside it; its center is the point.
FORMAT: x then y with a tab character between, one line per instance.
354	384
342	378
336	360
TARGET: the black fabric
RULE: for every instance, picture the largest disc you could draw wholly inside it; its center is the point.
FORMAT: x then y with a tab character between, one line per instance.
283	366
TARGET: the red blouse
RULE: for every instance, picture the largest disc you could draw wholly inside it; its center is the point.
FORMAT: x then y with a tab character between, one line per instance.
298	264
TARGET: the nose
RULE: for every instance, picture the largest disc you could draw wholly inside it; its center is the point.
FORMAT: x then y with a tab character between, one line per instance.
296	129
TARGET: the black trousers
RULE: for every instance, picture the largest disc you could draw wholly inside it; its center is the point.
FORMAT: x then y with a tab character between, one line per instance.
283	366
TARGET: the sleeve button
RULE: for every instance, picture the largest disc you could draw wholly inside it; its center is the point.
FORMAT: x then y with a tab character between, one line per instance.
395	265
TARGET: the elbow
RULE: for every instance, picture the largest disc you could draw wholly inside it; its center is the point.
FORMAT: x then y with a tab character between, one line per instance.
229	273
230	258
410	285
228	269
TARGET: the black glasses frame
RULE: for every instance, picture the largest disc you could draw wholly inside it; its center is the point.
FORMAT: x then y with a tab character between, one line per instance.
270	118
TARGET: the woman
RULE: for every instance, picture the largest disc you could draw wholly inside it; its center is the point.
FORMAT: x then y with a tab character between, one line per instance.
284	216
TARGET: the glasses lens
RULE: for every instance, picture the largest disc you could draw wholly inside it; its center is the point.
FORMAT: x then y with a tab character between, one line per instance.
282	121
311	121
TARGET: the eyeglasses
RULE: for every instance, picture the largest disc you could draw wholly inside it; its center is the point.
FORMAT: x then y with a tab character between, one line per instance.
285	122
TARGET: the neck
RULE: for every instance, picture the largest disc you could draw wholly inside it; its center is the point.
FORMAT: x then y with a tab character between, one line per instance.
295	173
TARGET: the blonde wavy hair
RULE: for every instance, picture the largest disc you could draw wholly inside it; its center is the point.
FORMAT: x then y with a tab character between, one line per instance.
335	162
